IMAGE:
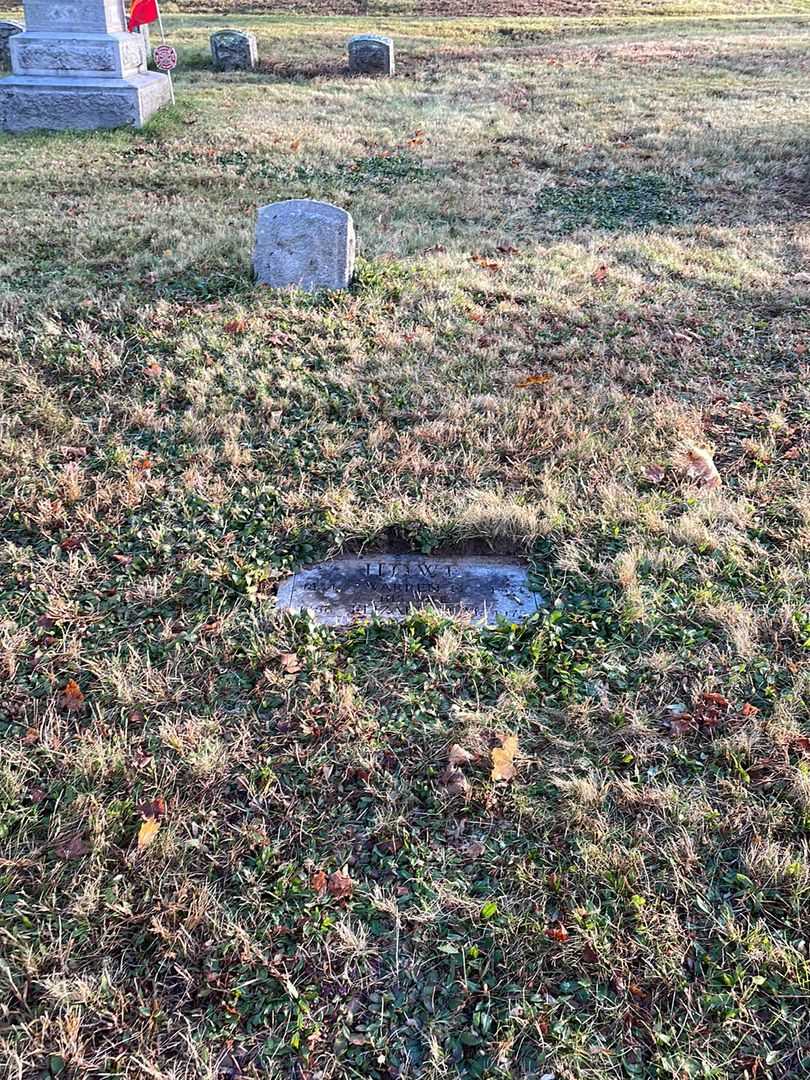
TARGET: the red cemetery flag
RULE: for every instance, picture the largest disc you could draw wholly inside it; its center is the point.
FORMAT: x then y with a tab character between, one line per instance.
143	11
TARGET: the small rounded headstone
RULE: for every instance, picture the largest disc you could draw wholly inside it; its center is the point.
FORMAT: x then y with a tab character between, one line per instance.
371	54
305	244
234	50
7	31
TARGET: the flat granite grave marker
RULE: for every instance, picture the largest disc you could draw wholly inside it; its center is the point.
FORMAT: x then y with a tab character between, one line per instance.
76	66
371	54
234	50
303	243
7	31
351	589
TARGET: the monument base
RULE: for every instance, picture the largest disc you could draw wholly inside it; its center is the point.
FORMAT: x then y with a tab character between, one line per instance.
56	103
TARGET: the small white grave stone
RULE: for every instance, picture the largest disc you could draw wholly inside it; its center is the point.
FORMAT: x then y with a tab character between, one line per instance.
306	244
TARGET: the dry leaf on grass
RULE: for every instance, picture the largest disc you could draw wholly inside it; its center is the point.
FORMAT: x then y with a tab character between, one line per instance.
289	663
458	756
236	326
152	808
72	697
533	380
339	885
503	758
600	275
557	933
76	848
485	263
698	464
147	832
454	781
318	881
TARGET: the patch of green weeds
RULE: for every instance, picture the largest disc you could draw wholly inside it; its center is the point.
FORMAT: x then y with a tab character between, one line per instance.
619	201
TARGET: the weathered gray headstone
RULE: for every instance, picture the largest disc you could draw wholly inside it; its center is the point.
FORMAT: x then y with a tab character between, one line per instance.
371	54
75	66
304	243
234	50
7	30
352	589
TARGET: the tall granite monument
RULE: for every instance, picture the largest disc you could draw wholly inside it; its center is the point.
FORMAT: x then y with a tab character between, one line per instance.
75	66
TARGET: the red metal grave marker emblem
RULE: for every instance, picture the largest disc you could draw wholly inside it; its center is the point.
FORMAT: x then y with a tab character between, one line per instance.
165	58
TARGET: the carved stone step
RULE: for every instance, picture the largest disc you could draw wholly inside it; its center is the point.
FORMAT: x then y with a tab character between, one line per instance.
88	55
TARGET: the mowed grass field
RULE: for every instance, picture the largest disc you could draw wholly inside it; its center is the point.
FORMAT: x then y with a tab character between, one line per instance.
584	254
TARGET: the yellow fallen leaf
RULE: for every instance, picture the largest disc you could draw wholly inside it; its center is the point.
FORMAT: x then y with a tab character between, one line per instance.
503	758
148	832
533	380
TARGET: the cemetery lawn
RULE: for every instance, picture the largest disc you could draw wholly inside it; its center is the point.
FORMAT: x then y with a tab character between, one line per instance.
584	253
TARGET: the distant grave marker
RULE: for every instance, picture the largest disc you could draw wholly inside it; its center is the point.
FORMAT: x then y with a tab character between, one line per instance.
234	50
306	244
371	54
353	589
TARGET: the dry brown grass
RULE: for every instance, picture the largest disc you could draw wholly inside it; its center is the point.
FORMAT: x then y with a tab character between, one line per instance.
621	208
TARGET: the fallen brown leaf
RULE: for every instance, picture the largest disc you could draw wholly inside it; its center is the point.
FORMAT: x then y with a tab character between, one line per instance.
236	326
600	275
709	710
533	380
473	850
72	698
682	724
153	808
289	663
557	933
454	781
503	758
485	263
76	848
458	756
339	885
317	881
